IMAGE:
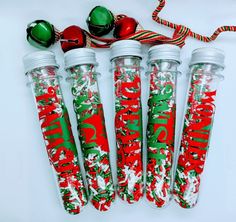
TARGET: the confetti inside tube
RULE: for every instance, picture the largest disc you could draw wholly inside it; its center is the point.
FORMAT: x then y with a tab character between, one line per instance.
205	73
81	67
41	69
163	62
125	59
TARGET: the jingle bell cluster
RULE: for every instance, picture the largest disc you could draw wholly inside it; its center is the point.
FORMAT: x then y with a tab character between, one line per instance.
100	21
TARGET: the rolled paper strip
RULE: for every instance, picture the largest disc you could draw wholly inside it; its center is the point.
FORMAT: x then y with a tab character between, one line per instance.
100	21
124	27
125	58
72	37
163	62
41	34
80	65
205	69
41	69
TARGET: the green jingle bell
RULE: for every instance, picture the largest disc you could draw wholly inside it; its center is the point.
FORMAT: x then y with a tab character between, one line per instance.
100	21
41	34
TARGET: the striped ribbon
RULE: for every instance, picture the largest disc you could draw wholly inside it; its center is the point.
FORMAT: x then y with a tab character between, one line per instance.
150	37
143	36
184	31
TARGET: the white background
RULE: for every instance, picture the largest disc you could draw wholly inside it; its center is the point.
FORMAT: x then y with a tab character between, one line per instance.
27	188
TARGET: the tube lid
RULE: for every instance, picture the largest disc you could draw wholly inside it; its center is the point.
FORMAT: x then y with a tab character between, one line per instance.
164	51
79	56
208	55
126	48
39	59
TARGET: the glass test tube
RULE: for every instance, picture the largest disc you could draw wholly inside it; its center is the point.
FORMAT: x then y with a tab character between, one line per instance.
81	67
125	61
41	69
205	73
163	62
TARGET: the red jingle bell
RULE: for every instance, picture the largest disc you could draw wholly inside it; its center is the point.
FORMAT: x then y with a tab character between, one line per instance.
124	27
72	37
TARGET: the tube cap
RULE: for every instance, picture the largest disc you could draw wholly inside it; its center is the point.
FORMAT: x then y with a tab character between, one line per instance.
79	56
164	51
126	48
208	55
39	59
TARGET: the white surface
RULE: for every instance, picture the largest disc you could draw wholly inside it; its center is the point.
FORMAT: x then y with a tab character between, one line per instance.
27	188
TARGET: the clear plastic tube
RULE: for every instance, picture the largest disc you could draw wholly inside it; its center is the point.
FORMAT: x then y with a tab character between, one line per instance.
161	131
57	134
128	127
198	122
92	134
